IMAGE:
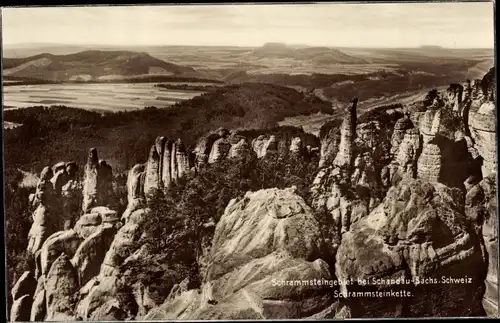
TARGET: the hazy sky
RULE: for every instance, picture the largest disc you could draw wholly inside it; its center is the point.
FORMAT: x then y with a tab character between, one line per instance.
456	25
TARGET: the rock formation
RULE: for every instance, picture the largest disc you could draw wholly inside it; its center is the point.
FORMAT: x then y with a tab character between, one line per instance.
261	241
410	198
417	233
482	123
97	182
348	133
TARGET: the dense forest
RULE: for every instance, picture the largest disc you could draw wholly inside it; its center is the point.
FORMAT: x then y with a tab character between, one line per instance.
50	135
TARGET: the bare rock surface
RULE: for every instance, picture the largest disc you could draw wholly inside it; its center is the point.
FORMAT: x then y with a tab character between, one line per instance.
61	286
418	232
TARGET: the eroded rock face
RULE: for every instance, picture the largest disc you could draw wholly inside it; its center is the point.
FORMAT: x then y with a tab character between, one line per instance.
266	238
329	147
90	254
97	182
20	311
25	285
417	232
61	287
240	149
430	160
45	221
347	135
220	150
399	132
273	209
482	209
152	173
62	242
482	125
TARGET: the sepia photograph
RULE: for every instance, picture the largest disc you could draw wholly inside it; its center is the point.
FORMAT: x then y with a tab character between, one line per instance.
256	161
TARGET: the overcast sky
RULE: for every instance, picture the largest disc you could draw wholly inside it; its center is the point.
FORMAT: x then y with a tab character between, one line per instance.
455	25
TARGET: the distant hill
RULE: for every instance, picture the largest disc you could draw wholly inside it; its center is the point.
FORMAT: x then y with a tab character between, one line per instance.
420	54
317	55
91	65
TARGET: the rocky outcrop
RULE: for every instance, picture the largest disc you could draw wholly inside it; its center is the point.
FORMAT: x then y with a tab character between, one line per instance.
262	241
45	221
152	173
481	207
61	287
167	162
90	254
60	242
220	150
399	132
263	146
22	297
417	234
482	123
430	160
329	146
348	133
240	149
20	311
97	182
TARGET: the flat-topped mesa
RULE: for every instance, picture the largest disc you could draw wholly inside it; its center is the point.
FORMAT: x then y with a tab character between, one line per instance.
97	182
347	135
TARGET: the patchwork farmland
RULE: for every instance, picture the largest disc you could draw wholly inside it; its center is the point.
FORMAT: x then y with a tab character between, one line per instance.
110	97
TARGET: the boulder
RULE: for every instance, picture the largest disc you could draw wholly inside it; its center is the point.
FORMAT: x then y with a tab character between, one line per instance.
87	224
20	310
260	223
62	242
220	150
25	285
90	254
61	287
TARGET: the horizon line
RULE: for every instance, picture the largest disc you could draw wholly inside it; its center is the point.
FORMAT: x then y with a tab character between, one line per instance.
241	46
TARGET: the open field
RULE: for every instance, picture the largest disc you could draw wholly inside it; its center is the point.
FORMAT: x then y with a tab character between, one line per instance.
113	97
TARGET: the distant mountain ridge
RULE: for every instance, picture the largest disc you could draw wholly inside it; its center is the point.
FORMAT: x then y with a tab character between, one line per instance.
91	65
316	54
